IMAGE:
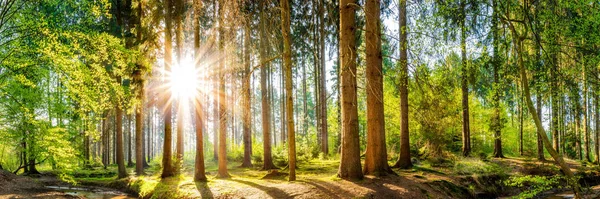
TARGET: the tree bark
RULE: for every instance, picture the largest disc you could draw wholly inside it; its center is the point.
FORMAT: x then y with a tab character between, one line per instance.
122	173
222	171
540	144
376	153
287	62
141	91
350	167
266	106
597	122
199	173
247	161
586	132
165	95
466	133
497	123
403	161
322	77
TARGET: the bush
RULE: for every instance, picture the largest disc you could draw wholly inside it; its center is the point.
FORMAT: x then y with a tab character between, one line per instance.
532	185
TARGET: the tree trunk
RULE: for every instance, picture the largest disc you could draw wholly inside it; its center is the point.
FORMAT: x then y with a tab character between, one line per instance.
578	133
287	62
139	126
247	161
119	138
104	140
179	12
520	121
540	144
497	123
222	172
466	133
376	153
403	161
586	131
199	173
141	91
350	167
322	77
597	122
167	150
266	107
129	138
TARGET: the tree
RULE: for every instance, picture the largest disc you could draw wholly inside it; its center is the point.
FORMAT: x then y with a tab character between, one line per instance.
178	17
266	106
322	99
222	172
376	154
404	158
350	167
287	62
466	132
497	123
168	169
139	108
247	162
119	139
199	173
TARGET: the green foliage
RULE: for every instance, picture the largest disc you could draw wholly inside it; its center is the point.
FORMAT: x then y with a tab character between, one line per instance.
472	166
532	185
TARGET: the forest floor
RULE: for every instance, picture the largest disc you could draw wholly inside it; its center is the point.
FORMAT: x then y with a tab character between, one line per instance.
465	178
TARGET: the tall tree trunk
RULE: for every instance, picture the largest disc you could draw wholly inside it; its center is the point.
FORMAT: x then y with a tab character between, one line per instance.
540	144
287	62
199	173
266	107
497	123
586	131
141	91
466	133
104	145
179	12
122	173
216	117
520	121
597	122
247	162
139	127
222	172
165	95
322	77
350	167
376	153
129	138
146	142
404	158
578	132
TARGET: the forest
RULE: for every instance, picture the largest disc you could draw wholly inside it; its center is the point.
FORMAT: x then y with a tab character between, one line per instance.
299	99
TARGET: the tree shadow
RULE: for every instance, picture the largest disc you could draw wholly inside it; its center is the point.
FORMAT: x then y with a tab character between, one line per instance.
321	186
273	192
204	190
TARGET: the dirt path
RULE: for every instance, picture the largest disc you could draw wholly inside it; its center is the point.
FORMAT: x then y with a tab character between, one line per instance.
13	186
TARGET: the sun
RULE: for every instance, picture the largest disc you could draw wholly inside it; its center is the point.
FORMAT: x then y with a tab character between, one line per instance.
184	79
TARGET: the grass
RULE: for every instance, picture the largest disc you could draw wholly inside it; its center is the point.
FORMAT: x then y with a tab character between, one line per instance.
248	180
183	186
